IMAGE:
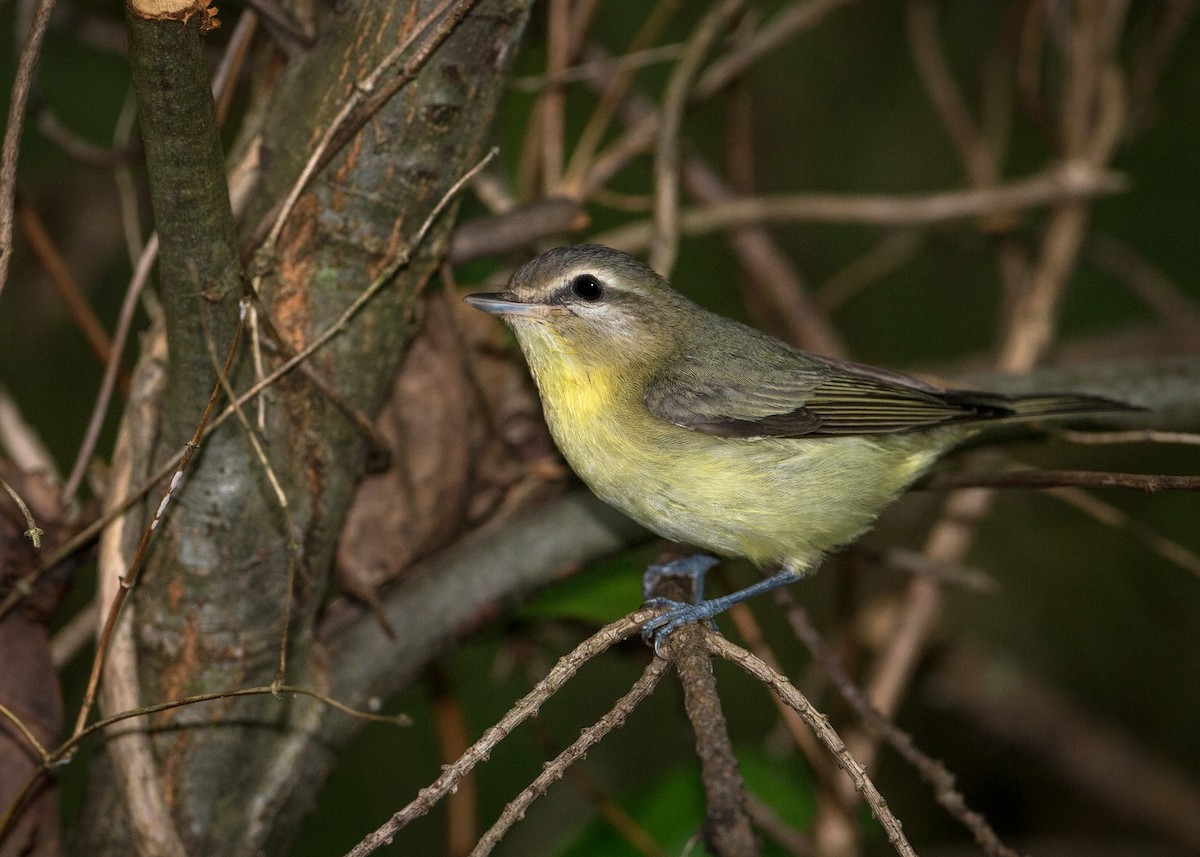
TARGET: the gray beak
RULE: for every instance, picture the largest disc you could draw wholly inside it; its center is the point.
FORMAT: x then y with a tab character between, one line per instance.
494	304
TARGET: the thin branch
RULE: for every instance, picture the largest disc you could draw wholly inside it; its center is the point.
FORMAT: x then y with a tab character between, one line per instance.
1149	482
631	60
816	721
84	151
519	227
525	708
1096	761
553	120
664	242
30	738
765	818
620	819
587	739
402	257
793	20
1111	516
64	751
727	828
768	266
74	635
22	443
945	790
450	722
63	280
930	60
129	303
1088	121
32	532
617	73
1132	436
9	150
751	633
879	210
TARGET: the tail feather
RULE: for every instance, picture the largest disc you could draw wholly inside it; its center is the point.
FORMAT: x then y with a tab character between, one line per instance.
1031	407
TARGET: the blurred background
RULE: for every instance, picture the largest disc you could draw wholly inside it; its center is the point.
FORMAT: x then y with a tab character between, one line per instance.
1058	682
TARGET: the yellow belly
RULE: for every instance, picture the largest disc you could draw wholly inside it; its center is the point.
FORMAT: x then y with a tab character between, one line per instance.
782	501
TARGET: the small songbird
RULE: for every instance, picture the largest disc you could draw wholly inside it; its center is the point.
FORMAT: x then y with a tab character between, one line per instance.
712	433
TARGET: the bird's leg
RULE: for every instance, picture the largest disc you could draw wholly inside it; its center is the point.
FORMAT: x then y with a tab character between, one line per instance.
695	567
689	572
661	626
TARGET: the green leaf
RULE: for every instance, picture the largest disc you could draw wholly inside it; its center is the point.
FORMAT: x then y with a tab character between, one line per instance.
601	593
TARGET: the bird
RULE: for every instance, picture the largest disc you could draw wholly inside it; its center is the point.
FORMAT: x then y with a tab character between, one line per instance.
712	433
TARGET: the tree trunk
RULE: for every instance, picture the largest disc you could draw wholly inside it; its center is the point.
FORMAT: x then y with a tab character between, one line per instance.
209	609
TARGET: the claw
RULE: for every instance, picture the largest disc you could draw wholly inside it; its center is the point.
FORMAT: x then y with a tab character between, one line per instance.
661	626
658	628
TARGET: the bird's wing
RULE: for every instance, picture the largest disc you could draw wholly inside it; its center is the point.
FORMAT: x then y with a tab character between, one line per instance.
773	392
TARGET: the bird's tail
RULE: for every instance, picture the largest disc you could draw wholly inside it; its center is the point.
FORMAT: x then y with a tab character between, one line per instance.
1040	405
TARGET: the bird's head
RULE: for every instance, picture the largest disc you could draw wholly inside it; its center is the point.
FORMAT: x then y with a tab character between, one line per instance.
589	304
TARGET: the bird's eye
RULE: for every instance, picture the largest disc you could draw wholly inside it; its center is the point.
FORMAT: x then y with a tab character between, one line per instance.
587	287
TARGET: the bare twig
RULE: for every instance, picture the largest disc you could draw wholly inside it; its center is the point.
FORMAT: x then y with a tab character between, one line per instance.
767	265
927	54
931	770
553	120
1150	58
727	826
632	59
751	633
21	442
75	634
776	829
64	751
1177	309
892	252
1023	714
32	532
520	227
555	769
451	724
50	127
1062	478
816	721
916	210
617	82
91	436
626	826
402	257
664	242
791	21
23	80
63	280
1089	121
525	708
1133	436
30	738
1111	516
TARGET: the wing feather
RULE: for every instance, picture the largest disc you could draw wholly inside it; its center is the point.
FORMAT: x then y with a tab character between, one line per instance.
781	392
